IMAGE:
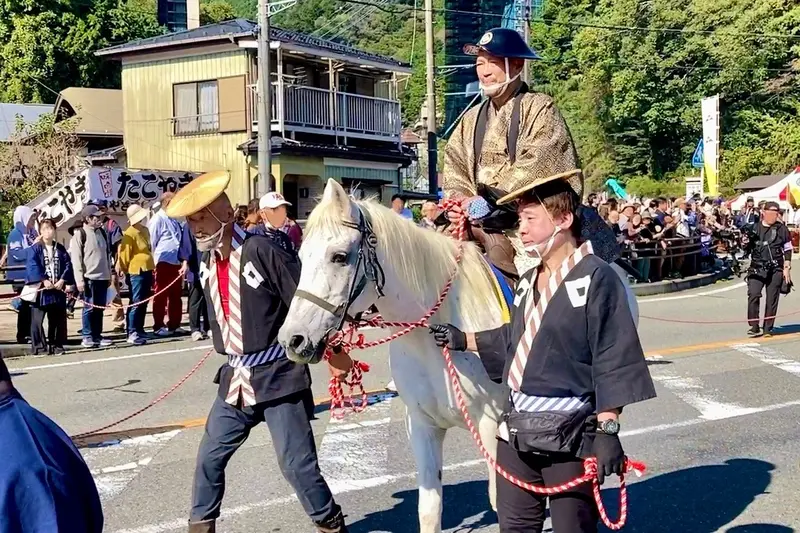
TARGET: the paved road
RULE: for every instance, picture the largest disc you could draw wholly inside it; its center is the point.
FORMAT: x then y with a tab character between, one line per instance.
719	440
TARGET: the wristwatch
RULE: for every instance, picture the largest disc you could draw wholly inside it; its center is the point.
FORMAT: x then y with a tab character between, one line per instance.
609	427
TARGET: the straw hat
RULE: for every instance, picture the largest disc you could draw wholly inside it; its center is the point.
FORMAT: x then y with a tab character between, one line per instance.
198	194
137	213
530	181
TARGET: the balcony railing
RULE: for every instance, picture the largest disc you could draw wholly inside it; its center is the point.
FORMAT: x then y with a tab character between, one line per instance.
315	110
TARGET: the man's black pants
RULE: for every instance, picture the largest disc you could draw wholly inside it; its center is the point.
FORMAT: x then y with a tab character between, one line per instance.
56	314
755	285
198	309
520	511
288	422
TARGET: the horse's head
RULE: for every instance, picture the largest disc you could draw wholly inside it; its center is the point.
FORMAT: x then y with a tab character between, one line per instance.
339	277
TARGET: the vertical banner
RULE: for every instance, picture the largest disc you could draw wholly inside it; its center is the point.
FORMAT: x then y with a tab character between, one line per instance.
710	110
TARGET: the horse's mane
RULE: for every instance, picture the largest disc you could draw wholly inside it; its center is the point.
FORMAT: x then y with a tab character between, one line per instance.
426	265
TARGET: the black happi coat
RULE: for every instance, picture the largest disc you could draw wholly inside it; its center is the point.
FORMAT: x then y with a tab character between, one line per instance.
586	346
267	287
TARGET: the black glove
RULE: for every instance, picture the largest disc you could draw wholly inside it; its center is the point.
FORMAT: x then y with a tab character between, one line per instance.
450	336
610	457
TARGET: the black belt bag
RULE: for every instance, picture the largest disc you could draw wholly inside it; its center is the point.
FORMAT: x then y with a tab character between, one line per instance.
549	432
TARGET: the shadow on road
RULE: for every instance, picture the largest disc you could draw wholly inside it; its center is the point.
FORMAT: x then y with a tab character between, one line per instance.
466	503
701	499
761	528
786	329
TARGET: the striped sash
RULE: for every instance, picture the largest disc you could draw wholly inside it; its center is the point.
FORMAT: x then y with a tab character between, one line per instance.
534	314
231	326
240	381
523	403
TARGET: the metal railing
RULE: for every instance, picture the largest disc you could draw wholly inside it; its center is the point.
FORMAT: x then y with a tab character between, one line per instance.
671	258
335	112
195	124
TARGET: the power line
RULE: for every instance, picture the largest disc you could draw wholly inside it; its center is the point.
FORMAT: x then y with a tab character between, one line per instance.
398	8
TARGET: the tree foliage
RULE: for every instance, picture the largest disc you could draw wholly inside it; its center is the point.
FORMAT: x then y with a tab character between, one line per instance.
51	43
632	96
213	11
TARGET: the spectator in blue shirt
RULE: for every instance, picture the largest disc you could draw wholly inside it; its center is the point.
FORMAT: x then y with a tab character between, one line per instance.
399	207
166	237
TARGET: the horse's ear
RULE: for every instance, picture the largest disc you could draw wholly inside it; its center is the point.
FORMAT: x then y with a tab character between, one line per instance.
335	193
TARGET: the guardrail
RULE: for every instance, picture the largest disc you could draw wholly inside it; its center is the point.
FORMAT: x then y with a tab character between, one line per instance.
681	257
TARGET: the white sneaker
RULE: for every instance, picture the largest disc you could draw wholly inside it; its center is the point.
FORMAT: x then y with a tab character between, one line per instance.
163	332
89	343
391	386
198	336
105	343
136	340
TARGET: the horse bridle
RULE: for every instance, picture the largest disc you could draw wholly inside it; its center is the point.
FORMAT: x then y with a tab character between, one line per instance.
368	259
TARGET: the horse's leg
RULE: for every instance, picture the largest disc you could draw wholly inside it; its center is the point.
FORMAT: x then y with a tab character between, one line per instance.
487	428
427	440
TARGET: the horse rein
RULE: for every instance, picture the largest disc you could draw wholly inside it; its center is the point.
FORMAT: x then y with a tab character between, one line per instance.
373	271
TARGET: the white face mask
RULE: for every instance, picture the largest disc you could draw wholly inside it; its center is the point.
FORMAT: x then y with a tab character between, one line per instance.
495	90
213	241
542	249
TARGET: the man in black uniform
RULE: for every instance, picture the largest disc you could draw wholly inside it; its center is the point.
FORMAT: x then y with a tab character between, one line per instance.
249	282
770	266
572	360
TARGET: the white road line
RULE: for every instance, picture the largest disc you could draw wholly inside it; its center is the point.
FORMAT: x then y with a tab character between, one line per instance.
180	523
106	359
350	453
690	390
693	295
769	356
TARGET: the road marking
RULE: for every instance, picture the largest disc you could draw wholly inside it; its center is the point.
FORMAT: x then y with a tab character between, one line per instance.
180	523
769	356
721	344
347	451
106	359
694	295
690	391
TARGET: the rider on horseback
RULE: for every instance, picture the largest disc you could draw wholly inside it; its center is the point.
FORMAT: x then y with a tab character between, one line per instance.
515	134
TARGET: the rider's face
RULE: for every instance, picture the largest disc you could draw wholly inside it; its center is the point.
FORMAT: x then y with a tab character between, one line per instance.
491	69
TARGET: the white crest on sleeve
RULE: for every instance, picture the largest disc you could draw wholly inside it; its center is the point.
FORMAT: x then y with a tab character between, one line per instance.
577	290
252	276
522	288
204	273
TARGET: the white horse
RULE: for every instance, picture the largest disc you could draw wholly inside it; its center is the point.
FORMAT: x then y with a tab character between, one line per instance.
416	265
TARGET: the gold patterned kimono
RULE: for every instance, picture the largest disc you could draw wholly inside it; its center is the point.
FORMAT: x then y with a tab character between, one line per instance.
544	149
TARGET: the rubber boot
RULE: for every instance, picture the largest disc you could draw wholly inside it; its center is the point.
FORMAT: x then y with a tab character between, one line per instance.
206	526
334	525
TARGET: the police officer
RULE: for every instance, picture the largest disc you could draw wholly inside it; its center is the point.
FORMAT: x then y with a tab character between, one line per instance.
770	266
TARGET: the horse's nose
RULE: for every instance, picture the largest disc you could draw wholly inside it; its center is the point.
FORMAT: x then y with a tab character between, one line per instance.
296	342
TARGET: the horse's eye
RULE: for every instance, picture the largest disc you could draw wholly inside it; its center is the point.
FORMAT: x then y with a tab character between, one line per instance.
339	257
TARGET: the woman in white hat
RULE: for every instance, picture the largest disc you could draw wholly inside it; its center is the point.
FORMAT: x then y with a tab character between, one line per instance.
135	262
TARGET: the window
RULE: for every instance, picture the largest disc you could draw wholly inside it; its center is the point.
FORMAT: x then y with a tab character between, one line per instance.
196	107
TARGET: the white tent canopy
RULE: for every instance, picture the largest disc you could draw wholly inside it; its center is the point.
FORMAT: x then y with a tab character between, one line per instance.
770	194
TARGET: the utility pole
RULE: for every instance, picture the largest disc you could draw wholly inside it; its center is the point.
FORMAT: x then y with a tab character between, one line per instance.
526	33
264	99
430	70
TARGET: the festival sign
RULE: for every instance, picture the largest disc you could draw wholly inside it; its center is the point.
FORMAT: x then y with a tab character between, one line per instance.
119	187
